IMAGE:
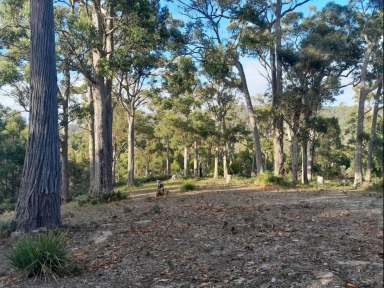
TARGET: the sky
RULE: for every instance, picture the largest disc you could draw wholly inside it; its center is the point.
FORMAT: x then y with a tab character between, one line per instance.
253	70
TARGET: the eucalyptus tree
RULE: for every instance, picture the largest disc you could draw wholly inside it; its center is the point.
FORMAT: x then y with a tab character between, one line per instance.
39	196
208	19
373	131
139	55
218	94
180	82
368	16
261	27
326	52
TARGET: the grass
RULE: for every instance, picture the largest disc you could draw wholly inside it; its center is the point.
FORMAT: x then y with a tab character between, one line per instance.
42	255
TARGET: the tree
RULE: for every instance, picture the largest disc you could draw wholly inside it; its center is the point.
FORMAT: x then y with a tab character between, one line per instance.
39	197
207	20
372	138
368	17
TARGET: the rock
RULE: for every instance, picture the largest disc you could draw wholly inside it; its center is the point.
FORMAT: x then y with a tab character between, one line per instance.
101	236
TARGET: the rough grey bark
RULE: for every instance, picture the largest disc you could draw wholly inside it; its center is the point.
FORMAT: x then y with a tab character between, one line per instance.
65	192
131	149
358	179
252	118
39	196
91	136
372	137
186	161
216	164
304	162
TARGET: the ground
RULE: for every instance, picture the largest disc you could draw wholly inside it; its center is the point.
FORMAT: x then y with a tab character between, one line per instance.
232	237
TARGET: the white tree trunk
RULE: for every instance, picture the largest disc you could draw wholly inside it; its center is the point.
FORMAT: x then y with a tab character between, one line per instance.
186	161
252	118
131	148
372	137
216	164
360	120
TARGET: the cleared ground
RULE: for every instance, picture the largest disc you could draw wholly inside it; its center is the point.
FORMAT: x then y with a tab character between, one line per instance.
236	237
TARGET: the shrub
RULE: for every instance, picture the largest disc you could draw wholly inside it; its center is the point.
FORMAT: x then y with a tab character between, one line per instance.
105	198
187	187
269	179
42	255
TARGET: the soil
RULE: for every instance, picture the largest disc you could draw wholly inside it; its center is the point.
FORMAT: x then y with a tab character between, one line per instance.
239	237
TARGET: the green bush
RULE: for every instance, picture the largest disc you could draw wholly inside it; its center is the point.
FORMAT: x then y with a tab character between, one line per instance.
42	255
187	187
269	179
105	198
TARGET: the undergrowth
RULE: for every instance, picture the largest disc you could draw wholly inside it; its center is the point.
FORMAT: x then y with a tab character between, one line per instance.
42	255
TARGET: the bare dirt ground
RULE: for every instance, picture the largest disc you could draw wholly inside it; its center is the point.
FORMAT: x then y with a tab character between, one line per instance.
231	238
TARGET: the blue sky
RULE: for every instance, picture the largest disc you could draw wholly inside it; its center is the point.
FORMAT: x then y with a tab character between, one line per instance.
256	82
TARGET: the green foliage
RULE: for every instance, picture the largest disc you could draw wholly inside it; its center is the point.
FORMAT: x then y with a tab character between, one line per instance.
187	187
42	255
12	150
268	179
105	198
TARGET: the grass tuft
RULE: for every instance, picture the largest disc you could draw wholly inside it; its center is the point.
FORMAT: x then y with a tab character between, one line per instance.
42	255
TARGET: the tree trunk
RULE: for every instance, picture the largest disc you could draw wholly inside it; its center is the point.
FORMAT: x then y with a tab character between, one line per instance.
102	182
39	196
167	160
65	193
114	163
304	162
195	159
310	150
277	89
216	167
102	97
252	118
186	161
360	121
372	138
225	163
294	157
278	146
91	137
131	148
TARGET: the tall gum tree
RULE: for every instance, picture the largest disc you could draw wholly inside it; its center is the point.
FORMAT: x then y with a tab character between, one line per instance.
39	196
208	19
